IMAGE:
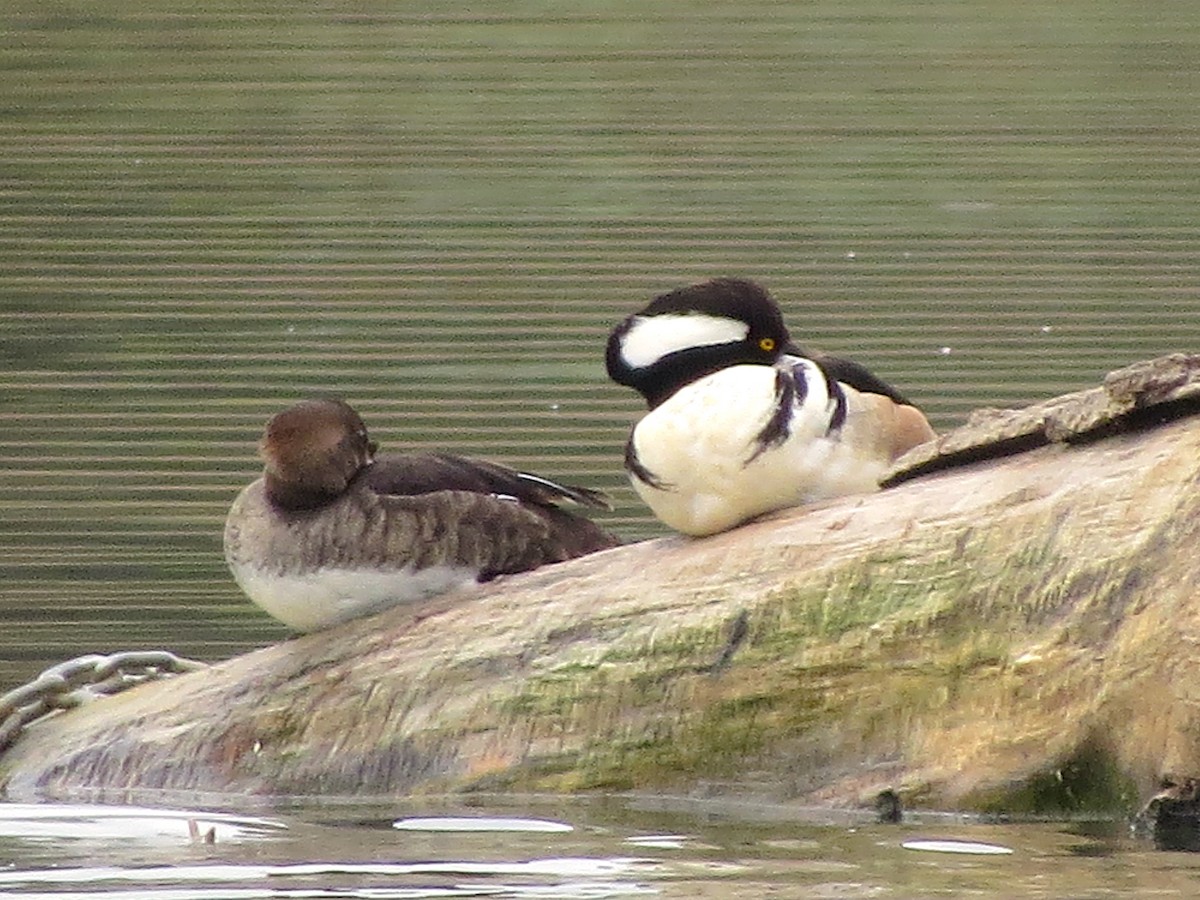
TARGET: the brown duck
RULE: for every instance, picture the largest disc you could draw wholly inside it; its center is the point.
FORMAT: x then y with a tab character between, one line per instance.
331	531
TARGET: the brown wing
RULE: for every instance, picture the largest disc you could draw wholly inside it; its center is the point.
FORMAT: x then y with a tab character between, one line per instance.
496	535
424	473
901	425
891	428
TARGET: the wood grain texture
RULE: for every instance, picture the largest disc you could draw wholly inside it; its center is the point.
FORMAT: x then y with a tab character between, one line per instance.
965	638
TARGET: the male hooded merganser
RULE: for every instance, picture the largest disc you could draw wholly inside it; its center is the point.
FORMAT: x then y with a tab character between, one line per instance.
742	421
331	532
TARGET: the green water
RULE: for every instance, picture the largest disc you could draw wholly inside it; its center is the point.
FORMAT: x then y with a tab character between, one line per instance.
439	211
583	850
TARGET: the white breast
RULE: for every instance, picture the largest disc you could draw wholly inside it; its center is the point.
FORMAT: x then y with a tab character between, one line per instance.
703	445
313	600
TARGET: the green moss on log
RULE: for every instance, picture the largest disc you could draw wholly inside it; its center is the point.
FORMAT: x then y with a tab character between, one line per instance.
1089	781
862	650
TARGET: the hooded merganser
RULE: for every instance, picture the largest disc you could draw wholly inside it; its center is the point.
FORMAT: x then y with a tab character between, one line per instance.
743	421
331	531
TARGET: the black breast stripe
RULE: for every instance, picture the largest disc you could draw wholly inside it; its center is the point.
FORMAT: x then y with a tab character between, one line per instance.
838	395
838	419
634	466
790	388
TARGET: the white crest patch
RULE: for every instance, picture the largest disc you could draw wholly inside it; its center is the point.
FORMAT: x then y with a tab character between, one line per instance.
653	337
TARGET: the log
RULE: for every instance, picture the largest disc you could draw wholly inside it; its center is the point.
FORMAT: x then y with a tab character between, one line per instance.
1012	627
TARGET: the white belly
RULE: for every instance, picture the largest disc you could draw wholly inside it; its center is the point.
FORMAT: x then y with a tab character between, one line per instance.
315	600
701	445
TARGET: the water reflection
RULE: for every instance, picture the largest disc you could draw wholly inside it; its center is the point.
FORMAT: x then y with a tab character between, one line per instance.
595	848
481	823
960	847
31	833
78	822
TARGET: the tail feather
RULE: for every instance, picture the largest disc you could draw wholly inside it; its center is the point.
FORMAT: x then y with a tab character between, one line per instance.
582	496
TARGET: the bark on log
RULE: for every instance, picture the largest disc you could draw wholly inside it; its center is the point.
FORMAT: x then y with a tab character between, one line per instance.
1018	634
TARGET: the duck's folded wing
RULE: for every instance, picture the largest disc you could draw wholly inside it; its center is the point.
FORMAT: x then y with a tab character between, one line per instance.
423	473
897	425
490	533
858	377
847	371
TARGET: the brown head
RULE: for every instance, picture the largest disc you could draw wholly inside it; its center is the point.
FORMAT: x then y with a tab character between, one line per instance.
312	451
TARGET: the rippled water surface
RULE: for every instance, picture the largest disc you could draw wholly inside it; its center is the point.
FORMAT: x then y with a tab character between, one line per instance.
438	212
585	849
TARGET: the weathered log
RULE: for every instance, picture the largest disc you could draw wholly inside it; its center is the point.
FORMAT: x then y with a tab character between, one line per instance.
1016	633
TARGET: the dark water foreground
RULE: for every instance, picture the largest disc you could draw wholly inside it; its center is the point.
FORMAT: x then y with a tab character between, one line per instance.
582	849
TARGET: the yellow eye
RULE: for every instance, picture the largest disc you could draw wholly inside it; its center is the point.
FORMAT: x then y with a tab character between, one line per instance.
767	344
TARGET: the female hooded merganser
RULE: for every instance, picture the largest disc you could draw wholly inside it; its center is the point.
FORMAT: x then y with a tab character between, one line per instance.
331	532
742	421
